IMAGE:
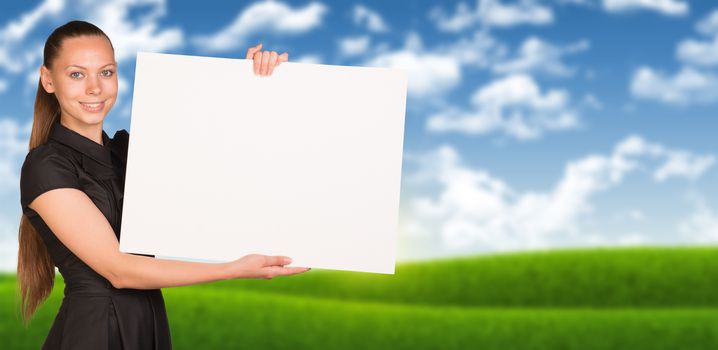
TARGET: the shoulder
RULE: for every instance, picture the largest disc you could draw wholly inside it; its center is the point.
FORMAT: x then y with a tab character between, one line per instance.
120	142
46	156
46	167
121	135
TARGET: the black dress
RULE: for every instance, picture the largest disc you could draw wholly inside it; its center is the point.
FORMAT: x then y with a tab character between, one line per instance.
93	314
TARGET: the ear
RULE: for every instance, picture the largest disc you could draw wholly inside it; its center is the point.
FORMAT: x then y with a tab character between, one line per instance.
46	79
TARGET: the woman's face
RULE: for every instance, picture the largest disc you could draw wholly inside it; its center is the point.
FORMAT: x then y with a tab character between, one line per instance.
83	77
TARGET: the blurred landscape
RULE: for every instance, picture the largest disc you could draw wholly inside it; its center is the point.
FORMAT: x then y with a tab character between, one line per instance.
618	298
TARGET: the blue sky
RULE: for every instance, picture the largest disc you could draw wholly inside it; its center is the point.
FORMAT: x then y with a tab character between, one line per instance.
530	124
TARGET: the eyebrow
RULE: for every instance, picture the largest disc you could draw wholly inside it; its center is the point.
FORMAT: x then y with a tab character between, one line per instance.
81	67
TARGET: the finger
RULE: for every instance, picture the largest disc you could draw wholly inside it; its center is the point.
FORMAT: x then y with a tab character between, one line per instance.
273	271
265	62
272	62
286	271
252	50
257	62
283	57
277	260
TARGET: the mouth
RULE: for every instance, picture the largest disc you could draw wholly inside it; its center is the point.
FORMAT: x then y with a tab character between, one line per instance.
93	107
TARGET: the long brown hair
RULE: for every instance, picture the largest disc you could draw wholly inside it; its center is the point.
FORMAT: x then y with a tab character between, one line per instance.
35	268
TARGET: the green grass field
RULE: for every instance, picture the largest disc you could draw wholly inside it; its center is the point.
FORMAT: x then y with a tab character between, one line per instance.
629	298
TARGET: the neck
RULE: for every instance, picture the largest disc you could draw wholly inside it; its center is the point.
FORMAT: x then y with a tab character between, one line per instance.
91	131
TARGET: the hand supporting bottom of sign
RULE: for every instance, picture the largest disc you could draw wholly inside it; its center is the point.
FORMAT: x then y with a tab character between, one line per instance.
262	267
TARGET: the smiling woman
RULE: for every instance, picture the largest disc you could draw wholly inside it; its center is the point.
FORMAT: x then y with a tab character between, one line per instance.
85	92
71	192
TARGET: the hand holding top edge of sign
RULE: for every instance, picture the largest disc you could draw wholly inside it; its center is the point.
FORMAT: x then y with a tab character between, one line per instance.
265	61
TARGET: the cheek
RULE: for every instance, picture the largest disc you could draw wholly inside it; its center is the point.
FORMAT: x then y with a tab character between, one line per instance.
110	88
110	92
68	93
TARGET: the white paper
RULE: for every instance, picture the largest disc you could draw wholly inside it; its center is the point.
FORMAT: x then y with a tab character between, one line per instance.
304	163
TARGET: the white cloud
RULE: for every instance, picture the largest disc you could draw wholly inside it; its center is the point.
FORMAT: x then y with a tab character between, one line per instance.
13	148
309	58
676	163
586	3
479	50
689	85
709	24
514	105
518	89
371	19
3	85
429	73
536	55
698	52
136	32
492	13
32	78
683	164
473	209
701	52
435	71
463	18
123	85
17	30
273	16
354	46
701	226
14	56
667	7
695	83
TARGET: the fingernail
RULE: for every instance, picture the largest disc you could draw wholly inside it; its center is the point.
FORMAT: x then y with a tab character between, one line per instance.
287	261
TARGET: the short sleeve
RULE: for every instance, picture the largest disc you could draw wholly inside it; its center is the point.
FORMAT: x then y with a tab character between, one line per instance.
121	141
45	170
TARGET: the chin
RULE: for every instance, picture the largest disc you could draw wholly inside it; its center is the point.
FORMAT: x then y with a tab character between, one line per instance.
89	118
92	118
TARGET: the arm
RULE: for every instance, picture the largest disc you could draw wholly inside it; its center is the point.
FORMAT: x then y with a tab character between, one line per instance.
83	229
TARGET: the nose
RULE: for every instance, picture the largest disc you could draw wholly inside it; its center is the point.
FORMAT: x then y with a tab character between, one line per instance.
93	86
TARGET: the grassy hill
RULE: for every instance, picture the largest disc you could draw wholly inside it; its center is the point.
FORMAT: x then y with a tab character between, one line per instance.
615	277
637	298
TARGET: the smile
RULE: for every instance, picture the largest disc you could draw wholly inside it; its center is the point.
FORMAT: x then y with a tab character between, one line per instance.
93	106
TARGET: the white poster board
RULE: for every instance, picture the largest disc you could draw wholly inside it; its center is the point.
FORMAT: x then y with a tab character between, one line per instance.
304	163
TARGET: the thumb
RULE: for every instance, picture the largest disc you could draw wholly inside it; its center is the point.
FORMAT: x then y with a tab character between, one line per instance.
252	50
282	58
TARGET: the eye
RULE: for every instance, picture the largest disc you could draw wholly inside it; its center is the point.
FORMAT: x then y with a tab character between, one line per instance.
75	75
107	73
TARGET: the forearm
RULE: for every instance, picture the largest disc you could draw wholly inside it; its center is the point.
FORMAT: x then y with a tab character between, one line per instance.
142	272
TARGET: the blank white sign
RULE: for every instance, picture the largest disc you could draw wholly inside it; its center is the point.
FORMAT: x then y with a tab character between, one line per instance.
304	163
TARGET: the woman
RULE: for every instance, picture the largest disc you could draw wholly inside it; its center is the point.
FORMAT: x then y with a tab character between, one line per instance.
71	185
